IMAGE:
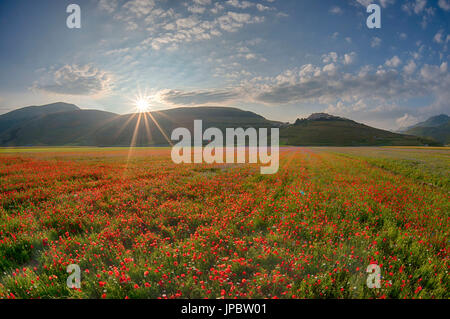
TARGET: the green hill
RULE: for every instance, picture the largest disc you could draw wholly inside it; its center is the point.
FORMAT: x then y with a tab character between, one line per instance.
326	130
61	128
436	127
65	124
19	117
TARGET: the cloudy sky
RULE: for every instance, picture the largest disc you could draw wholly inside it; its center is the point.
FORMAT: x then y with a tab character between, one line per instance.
280	58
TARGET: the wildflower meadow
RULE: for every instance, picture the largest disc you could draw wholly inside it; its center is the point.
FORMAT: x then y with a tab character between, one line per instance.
140	226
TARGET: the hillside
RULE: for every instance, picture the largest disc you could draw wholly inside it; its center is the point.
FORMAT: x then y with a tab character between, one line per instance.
322	129
66	124
55	125
19	117
60	128
436	127
119	130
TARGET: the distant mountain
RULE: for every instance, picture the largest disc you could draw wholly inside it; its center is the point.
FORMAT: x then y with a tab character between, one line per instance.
20	116
433	121
66	124
59	128
321	129
324	117
436	127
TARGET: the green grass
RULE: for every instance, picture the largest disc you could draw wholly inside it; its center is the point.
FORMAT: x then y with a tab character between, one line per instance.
426	165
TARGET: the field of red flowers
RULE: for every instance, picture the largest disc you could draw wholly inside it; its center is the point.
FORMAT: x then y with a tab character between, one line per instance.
140	226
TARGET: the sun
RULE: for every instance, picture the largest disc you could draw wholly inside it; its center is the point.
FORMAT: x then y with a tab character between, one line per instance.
142	105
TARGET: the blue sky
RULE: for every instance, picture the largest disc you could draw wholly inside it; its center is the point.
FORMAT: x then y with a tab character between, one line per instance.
280	58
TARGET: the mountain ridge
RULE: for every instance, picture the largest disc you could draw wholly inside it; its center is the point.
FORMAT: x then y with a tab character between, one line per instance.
433	121
12	118
436	127
61	124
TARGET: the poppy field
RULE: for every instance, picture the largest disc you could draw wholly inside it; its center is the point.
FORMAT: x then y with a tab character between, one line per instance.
140	226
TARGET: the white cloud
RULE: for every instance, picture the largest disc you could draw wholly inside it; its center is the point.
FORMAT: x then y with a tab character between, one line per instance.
75	80
196	9
416	6
198	97
393	62
419	7
240	4
108	5
444	5
375	42
406	121
330	68
201	20
202	2
383	3
336	10
217	8
189	29
433	72
311	86
440	37
261	7
410	67
349	58
139	8
234	21
330	57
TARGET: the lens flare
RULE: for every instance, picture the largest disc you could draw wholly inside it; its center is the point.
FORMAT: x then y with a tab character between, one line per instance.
142	105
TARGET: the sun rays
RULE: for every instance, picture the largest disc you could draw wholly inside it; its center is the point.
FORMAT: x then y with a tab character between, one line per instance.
142	105
143	111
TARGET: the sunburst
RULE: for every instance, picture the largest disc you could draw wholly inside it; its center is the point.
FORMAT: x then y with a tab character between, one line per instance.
142	105
143	114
